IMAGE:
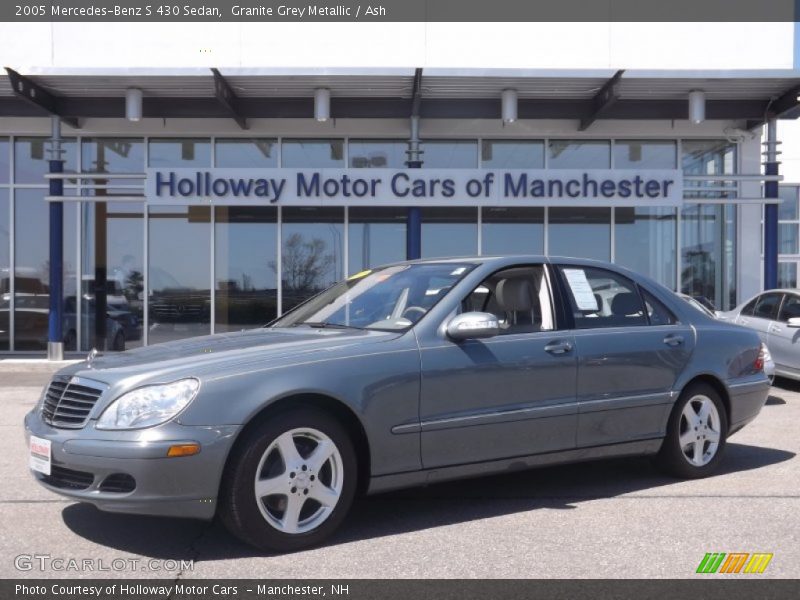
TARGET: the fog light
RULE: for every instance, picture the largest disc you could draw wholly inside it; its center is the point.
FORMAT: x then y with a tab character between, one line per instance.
183	450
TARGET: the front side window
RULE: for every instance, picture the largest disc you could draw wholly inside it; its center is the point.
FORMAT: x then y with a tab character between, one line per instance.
601	298
519	297
790	308
392	298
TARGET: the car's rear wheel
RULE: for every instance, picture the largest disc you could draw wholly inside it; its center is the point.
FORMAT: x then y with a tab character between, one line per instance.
696	434
290	481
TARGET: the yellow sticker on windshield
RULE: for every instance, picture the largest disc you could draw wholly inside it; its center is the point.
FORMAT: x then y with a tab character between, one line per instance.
359	275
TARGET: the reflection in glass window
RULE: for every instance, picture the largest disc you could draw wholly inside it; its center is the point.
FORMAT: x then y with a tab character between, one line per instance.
5	161
517	230
179	273
579	154
787	238
246	152
708	157
180	152
645	154
787	275
645	239
112	155
512	154
376	236
313	153
377	154
246	286
707	253
583	232
449	154
449	231
31	274
5	273
787	209
312	241
123	264
32	156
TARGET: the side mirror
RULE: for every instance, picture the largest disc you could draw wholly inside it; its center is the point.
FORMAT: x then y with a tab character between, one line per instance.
473	325
793	322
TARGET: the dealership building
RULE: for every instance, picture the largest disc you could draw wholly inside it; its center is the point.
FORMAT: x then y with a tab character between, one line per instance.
154	203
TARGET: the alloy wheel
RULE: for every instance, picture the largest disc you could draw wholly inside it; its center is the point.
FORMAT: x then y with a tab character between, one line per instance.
299	480
699	430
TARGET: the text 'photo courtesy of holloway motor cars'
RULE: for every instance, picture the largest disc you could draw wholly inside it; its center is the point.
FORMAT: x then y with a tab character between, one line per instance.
399	376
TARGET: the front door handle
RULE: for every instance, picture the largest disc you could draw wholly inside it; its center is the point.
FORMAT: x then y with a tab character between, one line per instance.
743	321
673	340
558	347
775	329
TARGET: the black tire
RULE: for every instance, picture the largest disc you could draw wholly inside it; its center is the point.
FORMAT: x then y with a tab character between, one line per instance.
238	507
671	458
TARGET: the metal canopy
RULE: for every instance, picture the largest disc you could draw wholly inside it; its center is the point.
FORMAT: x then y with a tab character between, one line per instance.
387	93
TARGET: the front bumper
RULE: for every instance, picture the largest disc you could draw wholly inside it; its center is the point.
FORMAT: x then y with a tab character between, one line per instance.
184	486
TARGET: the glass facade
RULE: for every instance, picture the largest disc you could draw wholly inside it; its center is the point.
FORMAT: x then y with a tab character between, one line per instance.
645	241
245	259
137	276
312	251
512	230
376	236
583	232
179	272
788	238
5	271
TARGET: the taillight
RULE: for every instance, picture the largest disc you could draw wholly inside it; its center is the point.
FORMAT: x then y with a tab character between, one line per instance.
763	353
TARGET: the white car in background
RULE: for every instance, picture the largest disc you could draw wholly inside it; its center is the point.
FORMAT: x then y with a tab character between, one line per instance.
775	315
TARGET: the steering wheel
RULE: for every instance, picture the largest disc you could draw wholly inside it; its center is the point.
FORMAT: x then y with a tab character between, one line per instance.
414	309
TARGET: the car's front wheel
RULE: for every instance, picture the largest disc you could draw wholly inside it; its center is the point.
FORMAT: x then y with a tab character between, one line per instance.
290	481
696	434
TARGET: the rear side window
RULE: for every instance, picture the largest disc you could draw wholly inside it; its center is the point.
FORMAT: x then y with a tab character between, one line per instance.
767	306
790	308
750	307
601	298
657	313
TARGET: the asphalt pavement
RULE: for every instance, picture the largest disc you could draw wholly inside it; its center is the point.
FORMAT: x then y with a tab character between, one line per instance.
618	518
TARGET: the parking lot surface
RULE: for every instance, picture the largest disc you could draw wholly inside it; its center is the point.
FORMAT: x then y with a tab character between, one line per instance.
617	518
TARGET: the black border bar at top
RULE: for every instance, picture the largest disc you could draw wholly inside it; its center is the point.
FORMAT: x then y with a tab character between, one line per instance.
404	11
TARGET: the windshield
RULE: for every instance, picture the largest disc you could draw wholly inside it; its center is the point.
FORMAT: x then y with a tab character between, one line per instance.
390	298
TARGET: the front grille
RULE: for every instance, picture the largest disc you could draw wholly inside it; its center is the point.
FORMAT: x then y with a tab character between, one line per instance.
67	404
67	479
118	483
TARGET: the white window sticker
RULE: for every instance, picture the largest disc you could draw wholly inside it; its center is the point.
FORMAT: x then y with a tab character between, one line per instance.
581	289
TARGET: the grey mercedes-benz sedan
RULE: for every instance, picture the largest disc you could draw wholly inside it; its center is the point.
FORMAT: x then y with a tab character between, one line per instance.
403	375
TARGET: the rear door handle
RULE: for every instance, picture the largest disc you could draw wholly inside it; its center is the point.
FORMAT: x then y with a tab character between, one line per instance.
743	321
775	329
558	347
673	340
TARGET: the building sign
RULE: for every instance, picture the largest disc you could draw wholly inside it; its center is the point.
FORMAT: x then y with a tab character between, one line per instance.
415	187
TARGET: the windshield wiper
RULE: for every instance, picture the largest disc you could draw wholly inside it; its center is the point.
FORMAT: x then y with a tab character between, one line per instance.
327	325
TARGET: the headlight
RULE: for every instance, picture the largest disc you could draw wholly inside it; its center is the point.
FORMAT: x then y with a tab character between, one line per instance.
148	406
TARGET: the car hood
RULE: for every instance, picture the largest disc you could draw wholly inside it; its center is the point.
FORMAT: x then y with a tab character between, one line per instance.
206	355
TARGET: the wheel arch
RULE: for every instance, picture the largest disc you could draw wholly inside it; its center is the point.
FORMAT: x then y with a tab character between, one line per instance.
318	401
718	387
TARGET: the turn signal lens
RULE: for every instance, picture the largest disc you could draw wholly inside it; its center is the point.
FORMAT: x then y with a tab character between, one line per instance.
183	450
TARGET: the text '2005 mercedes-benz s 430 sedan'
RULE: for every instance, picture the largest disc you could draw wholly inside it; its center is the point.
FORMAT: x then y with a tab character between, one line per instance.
400	376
